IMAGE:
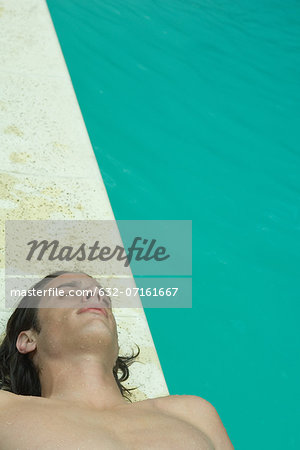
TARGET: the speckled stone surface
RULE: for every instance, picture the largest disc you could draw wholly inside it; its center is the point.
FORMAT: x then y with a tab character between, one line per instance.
48	169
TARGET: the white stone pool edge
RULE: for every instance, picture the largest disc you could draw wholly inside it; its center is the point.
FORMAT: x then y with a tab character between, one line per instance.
48	167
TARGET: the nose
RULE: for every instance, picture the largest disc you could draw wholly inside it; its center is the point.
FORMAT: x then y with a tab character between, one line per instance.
98	296
90	295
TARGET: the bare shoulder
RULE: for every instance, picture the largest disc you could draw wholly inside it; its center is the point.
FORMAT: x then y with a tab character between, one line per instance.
6	396
198	412
183	402
7	399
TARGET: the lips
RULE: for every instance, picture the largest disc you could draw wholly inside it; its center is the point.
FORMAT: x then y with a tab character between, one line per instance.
94	309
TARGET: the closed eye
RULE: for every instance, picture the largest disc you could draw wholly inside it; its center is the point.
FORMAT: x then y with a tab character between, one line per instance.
65	293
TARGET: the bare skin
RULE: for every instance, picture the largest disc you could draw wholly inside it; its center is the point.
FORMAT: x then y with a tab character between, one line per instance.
81	407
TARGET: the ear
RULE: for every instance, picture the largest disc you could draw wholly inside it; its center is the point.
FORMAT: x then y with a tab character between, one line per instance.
26	342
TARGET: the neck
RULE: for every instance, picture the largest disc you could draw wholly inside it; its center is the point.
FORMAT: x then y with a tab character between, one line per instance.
82	380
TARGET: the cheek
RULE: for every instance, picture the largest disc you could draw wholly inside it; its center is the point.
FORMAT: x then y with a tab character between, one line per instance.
53	327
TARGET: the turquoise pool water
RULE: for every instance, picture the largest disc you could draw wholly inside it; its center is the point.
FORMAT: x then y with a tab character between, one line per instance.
192	108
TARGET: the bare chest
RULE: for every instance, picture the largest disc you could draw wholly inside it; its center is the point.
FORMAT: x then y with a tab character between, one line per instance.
39	426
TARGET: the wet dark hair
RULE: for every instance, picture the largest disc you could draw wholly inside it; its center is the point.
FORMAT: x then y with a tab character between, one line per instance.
18	374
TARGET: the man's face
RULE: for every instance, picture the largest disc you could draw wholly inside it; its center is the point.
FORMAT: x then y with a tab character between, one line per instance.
68	326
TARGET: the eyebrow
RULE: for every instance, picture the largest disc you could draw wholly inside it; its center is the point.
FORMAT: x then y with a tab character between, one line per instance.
76	284
71	283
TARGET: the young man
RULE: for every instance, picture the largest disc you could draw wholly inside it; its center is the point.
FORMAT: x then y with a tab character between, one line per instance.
61	367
